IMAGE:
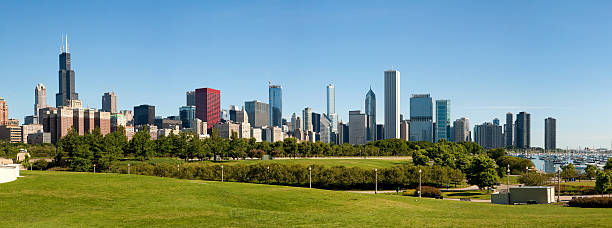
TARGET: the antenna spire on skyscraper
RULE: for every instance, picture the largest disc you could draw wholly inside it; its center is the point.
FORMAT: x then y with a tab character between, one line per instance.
66	43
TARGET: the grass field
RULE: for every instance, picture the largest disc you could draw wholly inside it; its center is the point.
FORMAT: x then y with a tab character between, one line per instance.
475	194
363	163
62	199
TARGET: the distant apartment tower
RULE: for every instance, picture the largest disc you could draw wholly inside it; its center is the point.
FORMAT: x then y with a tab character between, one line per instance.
461	129
370	111
357	127
3	111
307	118
523	130
443	120
109	102
421	118
331	107
405	130
144	115
488	135
258	112
550	134
276	105
40	98
190	98
508	130
392	104
208	106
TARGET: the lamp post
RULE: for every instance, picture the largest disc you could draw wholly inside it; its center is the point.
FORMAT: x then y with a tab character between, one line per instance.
128	168
508	171
268	176
94	168
420	175
559	184
375	181
309	177
221	173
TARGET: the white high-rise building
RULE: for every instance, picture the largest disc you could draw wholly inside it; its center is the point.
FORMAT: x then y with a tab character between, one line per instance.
392	104
331	107
307	118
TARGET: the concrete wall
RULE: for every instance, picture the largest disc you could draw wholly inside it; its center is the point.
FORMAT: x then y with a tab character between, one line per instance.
9	173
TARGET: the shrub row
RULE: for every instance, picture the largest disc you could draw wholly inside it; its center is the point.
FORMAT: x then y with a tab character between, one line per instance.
339	177
591	202
428	191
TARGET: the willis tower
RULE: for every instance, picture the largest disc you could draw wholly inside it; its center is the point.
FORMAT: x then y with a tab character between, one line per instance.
66	79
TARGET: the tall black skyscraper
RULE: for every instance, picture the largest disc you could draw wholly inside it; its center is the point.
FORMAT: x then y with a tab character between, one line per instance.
66	79
523	130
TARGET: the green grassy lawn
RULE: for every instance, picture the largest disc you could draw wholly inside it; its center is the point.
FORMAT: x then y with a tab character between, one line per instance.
63	199
589	183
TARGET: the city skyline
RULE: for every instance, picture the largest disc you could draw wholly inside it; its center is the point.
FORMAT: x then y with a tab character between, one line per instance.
94	58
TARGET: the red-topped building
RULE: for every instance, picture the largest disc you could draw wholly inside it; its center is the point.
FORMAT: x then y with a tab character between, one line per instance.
208	106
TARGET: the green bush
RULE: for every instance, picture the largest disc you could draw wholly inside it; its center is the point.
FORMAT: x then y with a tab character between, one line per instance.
591	202
533	179
338	177
428	191
40	164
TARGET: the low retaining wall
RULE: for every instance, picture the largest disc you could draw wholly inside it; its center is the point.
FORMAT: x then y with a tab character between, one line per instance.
9	173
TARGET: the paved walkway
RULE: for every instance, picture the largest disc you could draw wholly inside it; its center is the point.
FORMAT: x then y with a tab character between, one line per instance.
369	157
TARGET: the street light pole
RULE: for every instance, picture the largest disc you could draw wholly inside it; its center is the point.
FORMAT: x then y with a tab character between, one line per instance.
94	168
559	184
508	171
221	173
309	177
128	168
375	181
420	175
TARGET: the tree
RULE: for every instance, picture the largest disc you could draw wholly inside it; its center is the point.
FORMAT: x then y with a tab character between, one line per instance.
418	158
569	172
291	147
237	146
482	172
591	171
603	181
608	164
141	146
496	153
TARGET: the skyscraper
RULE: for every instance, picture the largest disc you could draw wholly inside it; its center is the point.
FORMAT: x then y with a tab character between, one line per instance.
3	111
258	112
208	106
496	122
187	114
392	104
307	118
331	107
276	105
316	122
66	80
523	130
421	118
331	99
357	127
508	130
109	102
190	98
405	130
550	134
488	135
442	120
370	111
462	132
144	115
40	98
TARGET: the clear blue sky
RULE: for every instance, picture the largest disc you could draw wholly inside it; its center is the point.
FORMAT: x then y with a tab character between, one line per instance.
550	58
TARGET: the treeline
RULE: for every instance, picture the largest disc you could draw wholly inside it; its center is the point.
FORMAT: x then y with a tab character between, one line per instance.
84	152
340	177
